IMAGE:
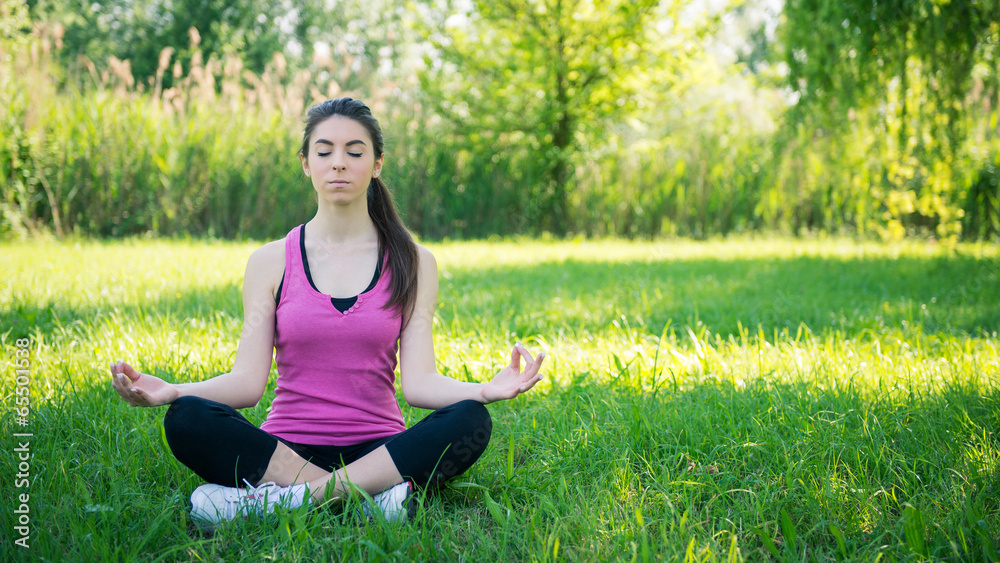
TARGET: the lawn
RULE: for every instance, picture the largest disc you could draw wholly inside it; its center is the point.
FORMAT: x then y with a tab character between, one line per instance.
745	399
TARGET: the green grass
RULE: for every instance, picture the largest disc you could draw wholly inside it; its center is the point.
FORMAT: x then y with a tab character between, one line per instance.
750	399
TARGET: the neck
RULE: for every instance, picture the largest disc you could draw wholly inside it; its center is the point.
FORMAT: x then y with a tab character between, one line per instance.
337	224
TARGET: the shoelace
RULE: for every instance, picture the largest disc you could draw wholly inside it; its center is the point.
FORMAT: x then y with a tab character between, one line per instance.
251	494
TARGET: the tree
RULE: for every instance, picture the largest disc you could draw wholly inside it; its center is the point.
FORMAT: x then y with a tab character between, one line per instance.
138	30
547	74
907	69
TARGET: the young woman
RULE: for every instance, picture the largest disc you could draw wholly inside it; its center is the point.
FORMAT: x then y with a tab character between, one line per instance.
335	300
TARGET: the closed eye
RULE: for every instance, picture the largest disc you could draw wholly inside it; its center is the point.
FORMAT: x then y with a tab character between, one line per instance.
354	154
322	154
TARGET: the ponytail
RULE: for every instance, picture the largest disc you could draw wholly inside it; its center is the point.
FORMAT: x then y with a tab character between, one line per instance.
394	241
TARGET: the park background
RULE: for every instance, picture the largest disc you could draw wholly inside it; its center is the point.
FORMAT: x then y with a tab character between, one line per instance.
758	240
637	119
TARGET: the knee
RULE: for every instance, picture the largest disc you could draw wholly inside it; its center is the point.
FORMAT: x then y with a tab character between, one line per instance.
477	421
184	415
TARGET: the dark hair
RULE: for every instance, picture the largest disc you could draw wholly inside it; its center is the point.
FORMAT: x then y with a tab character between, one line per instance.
393	238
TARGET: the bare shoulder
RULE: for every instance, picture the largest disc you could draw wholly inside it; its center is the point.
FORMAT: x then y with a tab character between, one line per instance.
269	256
427	288
427	276
266	265
426	260
427	270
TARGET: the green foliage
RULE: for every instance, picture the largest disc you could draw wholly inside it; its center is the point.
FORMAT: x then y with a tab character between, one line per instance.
740	400
139	30
110	167
589	119
14	27
530	80
842	54
695	165
912	75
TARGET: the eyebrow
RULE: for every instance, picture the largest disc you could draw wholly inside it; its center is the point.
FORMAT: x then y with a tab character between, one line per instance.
349	143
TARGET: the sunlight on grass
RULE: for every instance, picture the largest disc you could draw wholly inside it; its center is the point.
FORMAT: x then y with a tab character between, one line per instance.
710	398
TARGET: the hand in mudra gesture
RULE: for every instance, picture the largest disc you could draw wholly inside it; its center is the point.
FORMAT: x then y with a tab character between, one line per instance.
139	389
511	381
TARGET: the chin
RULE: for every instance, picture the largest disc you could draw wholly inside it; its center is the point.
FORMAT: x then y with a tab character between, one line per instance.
342	200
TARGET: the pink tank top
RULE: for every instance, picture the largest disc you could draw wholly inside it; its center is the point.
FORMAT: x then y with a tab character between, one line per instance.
336	371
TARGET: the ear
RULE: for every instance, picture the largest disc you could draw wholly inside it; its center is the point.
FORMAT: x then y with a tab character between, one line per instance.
378	166
305	163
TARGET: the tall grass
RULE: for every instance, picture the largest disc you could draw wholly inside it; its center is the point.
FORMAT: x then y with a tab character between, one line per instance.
741	400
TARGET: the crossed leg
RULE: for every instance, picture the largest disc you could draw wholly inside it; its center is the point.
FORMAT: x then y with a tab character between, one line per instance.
373	472
224	448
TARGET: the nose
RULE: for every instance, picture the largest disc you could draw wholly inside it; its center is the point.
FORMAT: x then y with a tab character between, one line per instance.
339	161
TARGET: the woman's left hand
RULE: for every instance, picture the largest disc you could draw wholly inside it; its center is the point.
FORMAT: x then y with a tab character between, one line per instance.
511	381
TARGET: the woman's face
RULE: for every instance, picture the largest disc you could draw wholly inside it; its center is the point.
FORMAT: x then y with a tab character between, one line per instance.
341	160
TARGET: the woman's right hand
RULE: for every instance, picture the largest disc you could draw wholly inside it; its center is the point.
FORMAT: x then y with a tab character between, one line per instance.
140	389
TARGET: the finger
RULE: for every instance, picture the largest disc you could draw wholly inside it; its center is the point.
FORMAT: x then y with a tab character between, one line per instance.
117	381
121	384
528	358
531	368
128	370
531	383
140	397
116	385
515	359
540	358
124	392
123	381
115	369
125	395
128	373
532	376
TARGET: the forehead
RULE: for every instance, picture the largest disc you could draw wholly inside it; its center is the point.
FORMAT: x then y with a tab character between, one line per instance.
340	129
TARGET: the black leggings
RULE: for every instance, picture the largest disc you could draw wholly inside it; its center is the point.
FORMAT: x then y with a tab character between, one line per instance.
223	447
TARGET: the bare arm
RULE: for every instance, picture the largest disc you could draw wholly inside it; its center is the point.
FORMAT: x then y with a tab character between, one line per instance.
423	386
244	385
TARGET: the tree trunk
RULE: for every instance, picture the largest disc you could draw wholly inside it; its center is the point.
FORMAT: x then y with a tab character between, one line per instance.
562	139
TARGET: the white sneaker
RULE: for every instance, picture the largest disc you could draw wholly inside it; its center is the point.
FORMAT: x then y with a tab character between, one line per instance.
392	504
214	504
